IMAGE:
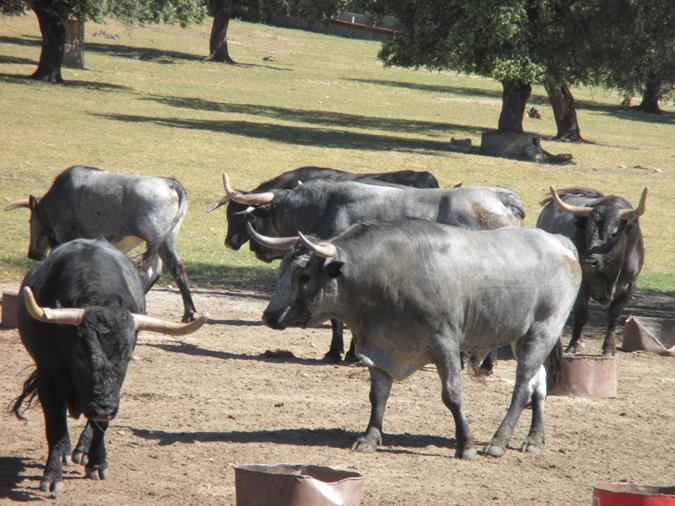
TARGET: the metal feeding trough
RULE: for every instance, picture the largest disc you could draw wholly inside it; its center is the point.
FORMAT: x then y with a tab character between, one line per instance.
656	335
296	485
587	376
10	309
629	494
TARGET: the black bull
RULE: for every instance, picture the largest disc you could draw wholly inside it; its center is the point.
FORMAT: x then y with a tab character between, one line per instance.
606	232
417	292
79	318
237	234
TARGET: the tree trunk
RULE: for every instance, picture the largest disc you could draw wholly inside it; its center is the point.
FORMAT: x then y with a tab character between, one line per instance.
218	42
514	100
53	43
564	111
74	50
651	95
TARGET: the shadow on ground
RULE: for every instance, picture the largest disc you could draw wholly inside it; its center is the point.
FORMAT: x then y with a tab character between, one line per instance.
287	134
331	438
11	474
326	118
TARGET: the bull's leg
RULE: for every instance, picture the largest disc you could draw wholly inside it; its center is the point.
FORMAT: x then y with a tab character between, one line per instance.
336	342
152	274
613	314
535	438
530	354
81	453
97	465
580	319
167	253
380	386
351	354
56	427
449	367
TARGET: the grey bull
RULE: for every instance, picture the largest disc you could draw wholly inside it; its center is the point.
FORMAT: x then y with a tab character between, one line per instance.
326	209
418	292
127	210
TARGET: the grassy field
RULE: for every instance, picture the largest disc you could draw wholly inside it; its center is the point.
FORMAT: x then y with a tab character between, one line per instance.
148	103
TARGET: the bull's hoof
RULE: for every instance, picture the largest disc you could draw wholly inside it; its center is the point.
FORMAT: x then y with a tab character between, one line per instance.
96	473
608	352
466	453
364	445
495	451
54	486
332	357
531	446
80	458
576	348
67	460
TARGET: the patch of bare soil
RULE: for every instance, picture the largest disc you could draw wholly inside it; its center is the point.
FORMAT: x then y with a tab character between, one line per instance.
193	407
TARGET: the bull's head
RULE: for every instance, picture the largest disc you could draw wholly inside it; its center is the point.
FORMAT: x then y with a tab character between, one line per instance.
104	343
241	208
307	282
607	227
41	241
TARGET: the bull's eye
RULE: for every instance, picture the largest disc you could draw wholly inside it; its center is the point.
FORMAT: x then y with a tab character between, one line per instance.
303	279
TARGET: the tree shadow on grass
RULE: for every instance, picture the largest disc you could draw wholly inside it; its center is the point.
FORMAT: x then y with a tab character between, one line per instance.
25	79
287	134
15	60
541	100
258	279
11	469
328	118
331	438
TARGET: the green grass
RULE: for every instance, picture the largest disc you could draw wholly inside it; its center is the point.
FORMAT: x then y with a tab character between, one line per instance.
148	103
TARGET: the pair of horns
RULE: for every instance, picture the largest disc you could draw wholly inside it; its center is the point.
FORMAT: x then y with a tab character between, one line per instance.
74	316
247	199
624	214
323	249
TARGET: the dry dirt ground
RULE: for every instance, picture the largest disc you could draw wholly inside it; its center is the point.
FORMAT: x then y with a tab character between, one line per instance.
194	407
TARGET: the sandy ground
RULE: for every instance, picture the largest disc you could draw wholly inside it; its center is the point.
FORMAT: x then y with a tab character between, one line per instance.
194	407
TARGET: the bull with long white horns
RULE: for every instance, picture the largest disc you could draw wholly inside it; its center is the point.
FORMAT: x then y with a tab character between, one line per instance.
606	232
81	310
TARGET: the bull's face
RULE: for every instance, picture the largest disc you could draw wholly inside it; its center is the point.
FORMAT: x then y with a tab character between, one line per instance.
104	345
606	236
237	234
262	221
306	288
40	243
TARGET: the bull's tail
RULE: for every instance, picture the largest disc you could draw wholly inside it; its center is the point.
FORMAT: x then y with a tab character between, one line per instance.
28	393
151	252
554	372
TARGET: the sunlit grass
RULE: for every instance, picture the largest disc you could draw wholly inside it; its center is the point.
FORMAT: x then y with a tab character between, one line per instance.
148	103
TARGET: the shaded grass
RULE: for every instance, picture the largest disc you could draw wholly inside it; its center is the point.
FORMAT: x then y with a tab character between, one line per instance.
148	103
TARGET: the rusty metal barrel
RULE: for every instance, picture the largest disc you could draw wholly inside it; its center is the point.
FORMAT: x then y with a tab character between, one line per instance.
296	485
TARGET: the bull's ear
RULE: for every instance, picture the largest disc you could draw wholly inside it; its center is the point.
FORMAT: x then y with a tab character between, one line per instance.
333	268
33	201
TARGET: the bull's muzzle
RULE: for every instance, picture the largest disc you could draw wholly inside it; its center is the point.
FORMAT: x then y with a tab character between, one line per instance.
276	319
101	414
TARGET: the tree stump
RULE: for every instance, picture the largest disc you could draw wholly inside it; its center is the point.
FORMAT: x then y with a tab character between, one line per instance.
519	146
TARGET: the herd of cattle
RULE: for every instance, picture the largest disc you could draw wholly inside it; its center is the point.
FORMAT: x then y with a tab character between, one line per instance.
420	274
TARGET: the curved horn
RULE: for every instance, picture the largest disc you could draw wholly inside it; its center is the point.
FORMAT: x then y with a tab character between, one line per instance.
18	204
247	199
245	212
276	243
322	249
626	214
575	210
142	322
65	316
